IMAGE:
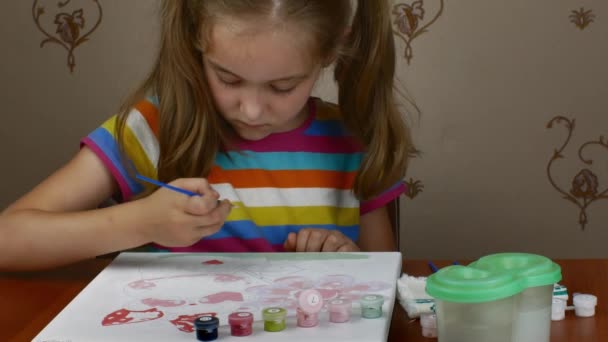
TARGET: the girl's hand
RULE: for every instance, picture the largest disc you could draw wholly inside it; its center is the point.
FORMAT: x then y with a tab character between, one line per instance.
319	240
176	220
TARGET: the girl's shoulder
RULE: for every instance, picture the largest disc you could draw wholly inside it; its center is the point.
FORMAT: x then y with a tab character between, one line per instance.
145	112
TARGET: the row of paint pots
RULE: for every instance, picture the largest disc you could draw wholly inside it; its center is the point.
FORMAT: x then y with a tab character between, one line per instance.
310	303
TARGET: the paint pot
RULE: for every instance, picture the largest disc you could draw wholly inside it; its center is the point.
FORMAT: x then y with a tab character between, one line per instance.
558	309
206	328
371	306
584	305
241	323
340	310
274	319
428	322
310	303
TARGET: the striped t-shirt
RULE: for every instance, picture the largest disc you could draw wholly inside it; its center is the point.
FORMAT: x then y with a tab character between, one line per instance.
287	181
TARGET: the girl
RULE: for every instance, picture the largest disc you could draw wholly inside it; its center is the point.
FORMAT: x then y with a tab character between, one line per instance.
226	112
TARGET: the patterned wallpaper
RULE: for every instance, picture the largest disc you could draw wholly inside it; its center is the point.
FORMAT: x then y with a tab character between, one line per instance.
67	25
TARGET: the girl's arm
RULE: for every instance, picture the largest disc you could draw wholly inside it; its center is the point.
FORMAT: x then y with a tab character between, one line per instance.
375	232
55	222
58	223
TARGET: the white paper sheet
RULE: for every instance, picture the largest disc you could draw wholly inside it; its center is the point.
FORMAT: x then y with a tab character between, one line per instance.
156	296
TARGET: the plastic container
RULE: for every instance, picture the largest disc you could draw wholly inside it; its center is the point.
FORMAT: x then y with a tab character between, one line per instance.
428	322
501	297
371	306
558	309
206	328
584	305
310	303
241	323
274	319
537	276
340	310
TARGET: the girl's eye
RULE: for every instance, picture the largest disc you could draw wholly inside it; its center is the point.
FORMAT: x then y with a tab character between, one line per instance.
230	83
279	90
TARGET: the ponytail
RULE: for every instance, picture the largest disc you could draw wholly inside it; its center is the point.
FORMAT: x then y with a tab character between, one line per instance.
190	129
365	75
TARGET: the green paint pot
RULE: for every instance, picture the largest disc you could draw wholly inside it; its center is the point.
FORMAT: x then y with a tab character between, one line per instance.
274	319
371	306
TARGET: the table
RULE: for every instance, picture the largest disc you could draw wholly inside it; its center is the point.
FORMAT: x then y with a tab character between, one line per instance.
30	300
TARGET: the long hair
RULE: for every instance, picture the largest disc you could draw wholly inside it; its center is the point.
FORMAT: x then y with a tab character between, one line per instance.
366	95
191	130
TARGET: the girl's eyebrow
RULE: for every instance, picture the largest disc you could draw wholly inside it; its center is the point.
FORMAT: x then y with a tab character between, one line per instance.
218	67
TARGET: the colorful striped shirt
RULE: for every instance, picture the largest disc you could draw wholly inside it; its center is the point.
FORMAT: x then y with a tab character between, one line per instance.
280	184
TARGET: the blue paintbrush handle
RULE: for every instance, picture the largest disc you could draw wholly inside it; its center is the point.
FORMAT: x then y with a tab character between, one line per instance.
164	185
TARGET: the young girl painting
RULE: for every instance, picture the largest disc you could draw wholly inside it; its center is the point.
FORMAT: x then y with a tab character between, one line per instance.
227	113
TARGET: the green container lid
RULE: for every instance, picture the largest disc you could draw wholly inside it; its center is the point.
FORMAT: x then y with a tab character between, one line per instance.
372	300
534	270
469	285
492	277
274	314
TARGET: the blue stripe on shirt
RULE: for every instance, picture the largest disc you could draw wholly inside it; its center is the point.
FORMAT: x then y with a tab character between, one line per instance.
289	161
105	141
275	235
330	128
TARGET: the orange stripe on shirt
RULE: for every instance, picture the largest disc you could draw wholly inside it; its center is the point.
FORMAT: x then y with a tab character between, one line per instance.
150	113
283	178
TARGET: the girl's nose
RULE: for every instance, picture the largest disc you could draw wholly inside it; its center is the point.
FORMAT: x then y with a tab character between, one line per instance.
251	106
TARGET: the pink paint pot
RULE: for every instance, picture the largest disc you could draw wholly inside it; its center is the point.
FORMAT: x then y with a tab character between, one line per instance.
340	310
310	303
241	323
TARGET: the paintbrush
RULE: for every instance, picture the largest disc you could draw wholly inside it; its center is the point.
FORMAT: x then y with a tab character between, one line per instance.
171	187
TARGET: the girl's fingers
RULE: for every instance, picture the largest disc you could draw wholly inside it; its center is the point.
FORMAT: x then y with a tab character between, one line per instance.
348	248
332	245
196	185
290	242
302	240
200	205
215	215
315	241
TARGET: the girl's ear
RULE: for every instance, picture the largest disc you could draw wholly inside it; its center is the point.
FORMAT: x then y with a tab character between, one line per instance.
331	58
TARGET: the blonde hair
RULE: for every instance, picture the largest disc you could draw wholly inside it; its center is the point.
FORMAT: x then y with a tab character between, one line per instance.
192	131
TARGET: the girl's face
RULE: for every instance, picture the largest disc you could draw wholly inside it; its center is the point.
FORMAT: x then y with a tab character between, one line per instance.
260	78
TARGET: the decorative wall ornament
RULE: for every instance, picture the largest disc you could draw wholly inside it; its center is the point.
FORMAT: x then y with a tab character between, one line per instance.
69	27
409	23
585	187
582	18
413	188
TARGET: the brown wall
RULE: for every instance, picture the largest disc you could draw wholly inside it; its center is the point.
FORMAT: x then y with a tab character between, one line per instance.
487	75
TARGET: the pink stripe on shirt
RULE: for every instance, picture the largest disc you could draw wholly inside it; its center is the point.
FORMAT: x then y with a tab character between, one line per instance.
122	184
382	200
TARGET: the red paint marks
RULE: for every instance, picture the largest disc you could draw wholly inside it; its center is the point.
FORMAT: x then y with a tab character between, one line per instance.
227	278
124	316
212	262
222	297
163	302
142	284
294	282
185	323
